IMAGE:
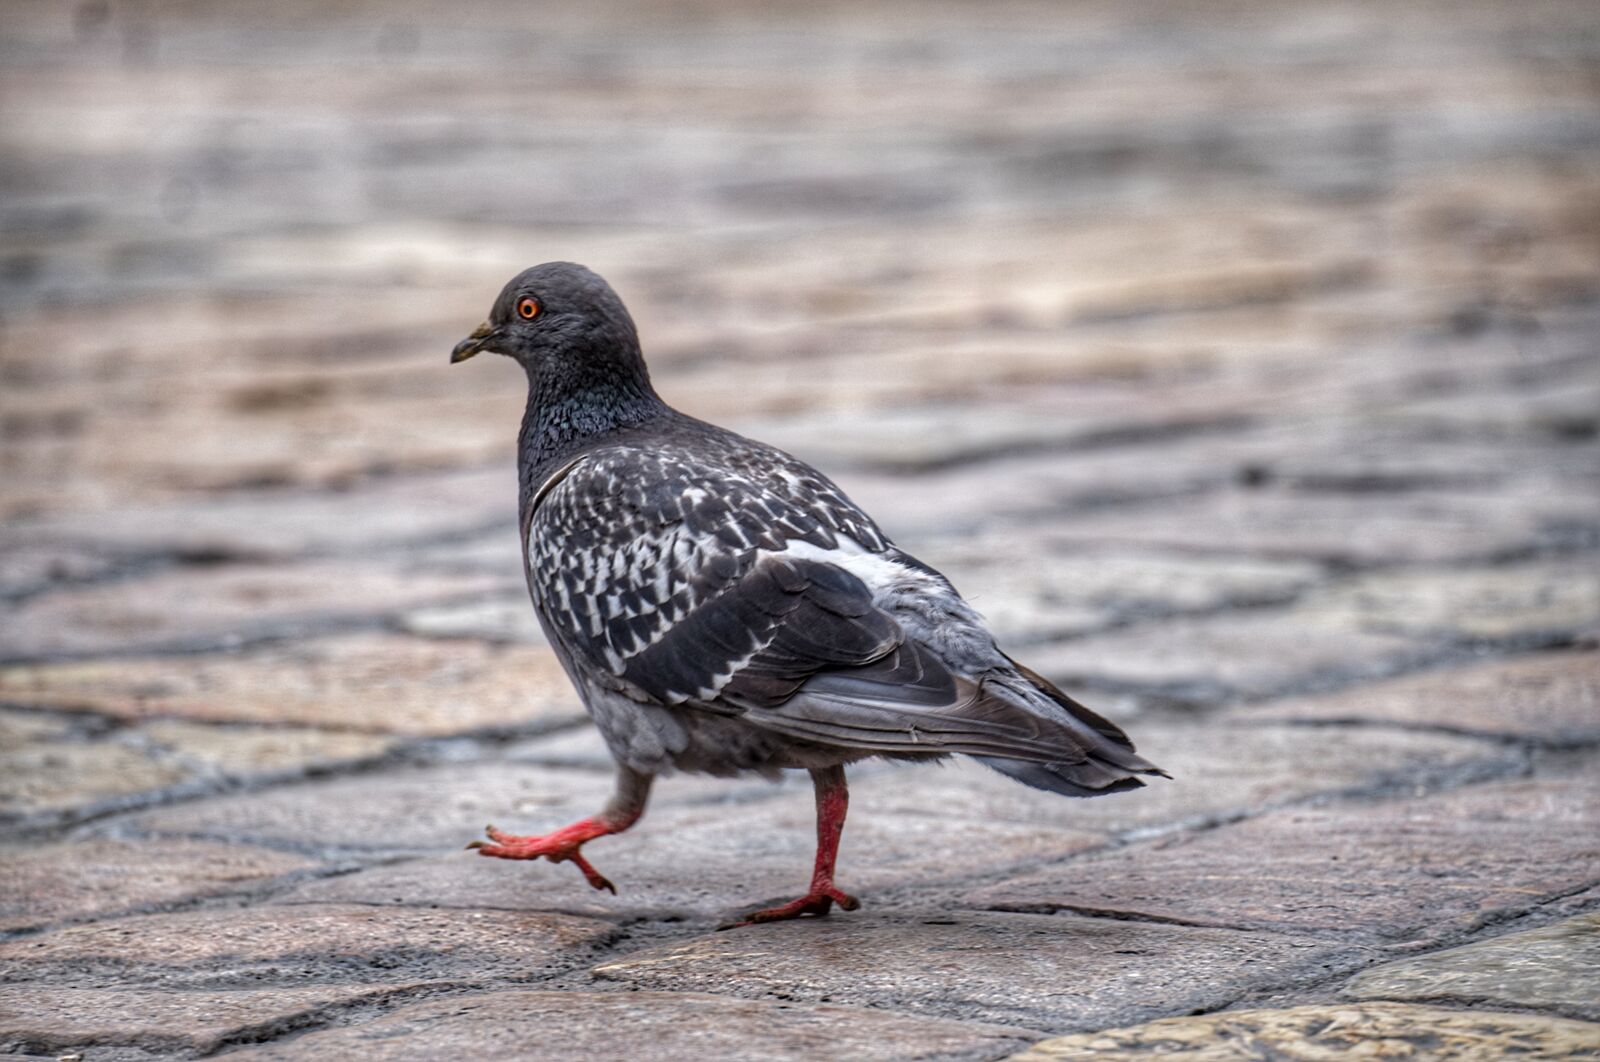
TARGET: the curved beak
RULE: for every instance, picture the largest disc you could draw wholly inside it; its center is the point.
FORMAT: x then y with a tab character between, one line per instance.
472	344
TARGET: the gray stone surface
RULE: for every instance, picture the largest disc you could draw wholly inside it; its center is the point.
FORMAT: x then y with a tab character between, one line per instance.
1555	968
190	608
1550	697
1407	871
644	1025
1538	603
322	943
267	523
1362	1030
412	809
378	682
95	1022
1245	654
1359	528
989	967
713	862
44	780
1218	771
73	880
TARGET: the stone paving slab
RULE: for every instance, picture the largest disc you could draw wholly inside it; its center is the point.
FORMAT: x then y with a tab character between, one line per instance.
199	608
1251	654
1352	1030
414	809
152	1022
59	767
1402	872
644	1025
45	780
1126	582
1549	697
713	862
955	502
1359	529
73	880
312	943
1554	968
500	620
693	861
1537	603
264	524
989	967
1217	771
1031	593
1354	629
373	682
28	568
258	752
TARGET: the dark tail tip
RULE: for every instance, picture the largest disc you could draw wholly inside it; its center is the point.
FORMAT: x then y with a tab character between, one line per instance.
1088	779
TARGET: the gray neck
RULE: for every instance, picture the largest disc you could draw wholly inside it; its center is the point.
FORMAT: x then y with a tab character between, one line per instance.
566	417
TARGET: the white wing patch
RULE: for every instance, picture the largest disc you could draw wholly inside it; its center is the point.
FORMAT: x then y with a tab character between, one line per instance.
880	572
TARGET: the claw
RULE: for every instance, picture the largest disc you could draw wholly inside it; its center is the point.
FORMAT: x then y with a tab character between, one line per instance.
597	880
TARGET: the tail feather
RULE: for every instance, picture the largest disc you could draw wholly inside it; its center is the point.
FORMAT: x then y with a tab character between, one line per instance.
1098	723
1112	765
1066	779
910	703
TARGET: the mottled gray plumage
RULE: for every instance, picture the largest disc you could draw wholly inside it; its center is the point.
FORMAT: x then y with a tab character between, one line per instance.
723	607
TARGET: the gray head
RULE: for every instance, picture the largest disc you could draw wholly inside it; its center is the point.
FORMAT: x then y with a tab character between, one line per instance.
563	323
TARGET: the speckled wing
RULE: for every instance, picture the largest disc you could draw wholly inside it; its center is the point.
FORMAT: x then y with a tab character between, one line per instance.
671	580
678	582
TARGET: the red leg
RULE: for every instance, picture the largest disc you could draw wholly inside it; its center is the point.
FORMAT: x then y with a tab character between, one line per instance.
833	801
621	811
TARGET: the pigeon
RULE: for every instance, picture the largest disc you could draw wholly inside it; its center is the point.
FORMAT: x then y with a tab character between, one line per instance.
722	607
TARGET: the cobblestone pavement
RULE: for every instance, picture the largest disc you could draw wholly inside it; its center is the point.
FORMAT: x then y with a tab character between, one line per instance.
1238	360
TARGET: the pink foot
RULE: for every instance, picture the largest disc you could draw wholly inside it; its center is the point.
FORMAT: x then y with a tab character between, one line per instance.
817	903
559	847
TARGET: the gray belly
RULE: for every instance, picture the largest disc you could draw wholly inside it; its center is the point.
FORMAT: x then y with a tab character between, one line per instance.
659	740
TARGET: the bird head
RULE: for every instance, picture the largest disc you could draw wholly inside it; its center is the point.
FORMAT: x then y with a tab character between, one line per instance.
557	319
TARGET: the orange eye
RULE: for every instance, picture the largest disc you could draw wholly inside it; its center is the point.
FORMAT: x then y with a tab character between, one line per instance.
528	309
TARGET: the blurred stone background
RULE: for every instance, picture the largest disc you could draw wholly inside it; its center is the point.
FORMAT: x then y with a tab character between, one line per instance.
1238	360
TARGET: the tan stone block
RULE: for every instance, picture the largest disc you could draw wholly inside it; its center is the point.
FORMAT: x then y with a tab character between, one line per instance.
1552	968
380	683
1328	1031
647	1026
72	880
242	752
45	777
216	607
89	1021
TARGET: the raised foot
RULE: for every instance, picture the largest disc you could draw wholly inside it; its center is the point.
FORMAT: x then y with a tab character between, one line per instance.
816	903
562	846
